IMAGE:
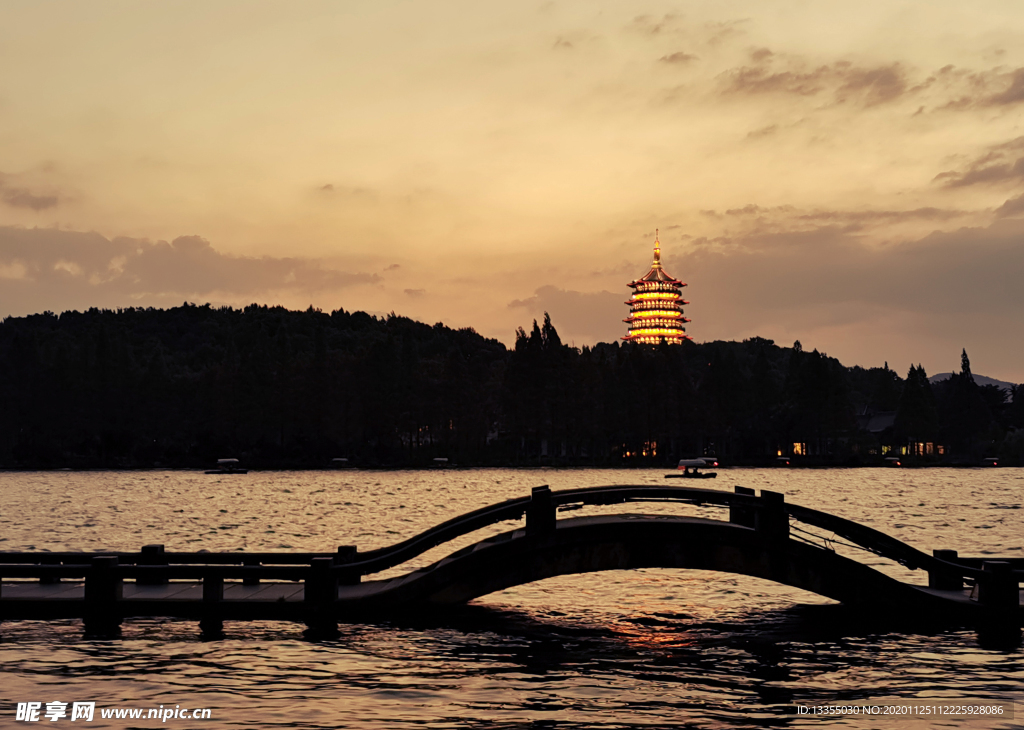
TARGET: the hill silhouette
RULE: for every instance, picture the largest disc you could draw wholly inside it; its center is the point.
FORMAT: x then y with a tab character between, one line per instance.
277	388
979	379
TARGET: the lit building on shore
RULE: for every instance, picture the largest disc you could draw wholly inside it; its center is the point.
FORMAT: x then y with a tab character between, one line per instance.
655	309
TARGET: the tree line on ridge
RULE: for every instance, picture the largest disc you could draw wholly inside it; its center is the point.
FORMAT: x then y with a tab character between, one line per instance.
185	386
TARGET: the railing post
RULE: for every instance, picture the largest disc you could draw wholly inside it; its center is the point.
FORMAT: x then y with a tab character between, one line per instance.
998	587
320	594
212	622
49	579
152	555
740	515
998	594
347	554
254	579
103	589
540	514
771	519
943	578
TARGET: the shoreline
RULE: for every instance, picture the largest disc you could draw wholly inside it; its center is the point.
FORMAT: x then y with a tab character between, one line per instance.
471	467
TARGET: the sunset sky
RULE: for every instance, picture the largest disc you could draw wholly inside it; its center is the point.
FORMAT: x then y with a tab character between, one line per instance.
847	174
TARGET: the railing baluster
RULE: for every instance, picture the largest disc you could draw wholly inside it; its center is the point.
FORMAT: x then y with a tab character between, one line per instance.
103	589
997	588
742	515
49	579
945	579
320	594
152	555
254	579
212	624
346	555
772	520
540	515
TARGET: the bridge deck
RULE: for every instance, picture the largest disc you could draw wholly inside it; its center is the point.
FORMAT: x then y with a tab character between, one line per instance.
177	591
28	592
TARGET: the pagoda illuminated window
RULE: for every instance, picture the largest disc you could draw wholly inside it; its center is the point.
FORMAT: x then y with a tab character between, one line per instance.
655	309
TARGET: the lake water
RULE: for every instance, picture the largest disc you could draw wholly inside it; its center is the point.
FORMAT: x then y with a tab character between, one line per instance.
607	650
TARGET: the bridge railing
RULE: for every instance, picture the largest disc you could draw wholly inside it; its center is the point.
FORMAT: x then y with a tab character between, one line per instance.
744	507
768	512
743	503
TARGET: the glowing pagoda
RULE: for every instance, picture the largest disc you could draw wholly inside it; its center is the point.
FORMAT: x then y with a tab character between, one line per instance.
655	309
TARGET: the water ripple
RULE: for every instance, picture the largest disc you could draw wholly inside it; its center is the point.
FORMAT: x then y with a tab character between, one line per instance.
645	648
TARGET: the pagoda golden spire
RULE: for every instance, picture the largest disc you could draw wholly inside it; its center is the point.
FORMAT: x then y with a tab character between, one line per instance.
657	251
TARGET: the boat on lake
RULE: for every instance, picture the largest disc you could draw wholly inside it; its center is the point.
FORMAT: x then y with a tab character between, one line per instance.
227	466
690	469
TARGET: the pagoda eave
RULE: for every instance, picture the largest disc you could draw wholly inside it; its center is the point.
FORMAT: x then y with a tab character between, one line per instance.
670	339
672	320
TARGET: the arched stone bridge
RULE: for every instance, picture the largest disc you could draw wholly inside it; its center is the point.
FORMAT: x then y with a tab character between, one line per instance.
756	541
764	536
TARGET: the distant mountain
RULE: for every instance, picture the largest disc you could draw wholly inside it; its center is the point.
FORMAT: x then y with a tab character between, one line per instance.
979	379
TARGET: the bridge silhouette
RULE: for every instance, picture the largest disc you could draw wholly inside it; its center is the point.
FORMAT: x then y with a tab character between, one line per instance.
764	536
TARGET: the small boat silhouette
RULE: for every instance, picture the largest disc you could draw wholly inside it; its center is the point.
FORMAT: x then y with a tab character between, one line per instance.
227	466
685	466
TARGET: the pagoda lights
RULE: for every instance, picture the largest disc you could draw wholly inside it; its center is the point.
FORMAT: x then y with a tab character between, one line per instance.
655	309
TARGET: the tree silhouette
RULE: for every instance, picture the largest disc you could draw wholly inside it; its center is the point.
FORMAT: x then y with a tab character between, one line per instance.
917	419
